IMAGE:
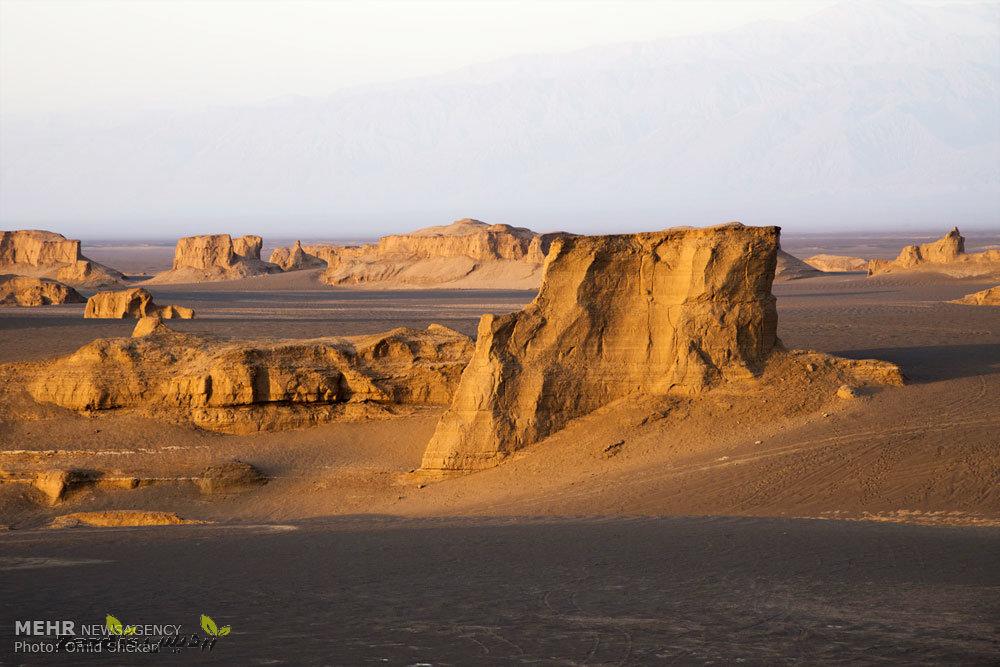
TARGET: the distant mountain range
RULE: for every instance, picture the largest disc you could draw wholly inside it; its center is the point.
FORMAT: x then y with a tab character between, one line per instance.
868	113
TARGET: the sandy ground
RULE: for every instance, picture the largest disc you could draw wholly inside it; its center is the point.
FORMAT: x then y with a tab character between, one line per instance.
385	563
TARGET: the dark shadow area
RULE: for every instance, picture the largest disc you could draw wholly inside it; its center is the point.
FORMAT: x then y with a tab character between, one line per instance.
359	590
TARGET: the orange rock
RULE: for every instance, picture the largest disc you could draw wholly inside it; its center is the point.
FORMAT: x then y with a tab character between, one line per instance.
27	291
42	254
136	302
946	255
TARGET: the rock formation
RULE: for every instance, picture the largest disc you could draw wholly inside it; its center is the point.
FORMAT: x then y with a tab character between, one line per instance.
790	267
987	297
677	311
296	258
467	253
41	254
244	387
215	257
136	302
946	256
837	263
26	291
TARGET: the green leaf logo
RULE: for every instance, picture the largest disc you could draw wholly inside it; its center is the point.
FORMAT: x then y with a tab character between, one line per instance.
130	630
224	630
113	625
208	625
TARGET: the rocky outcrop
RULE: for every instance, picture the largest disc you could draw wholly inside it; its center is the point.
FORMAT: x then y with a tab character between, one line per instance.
41	254
215	257
789	267
946	256
295	258
26	291
135	303
987	297
617	317
244	387
467	253
837	263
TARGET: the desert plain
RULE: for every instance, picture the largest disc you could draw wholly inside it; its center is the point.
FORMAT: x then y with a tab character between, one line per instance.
793	522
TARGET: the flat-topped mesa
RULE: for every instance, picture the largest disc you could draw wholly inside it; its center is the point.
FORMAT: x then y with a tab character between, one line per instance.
466	253
946	255
295	258
215	257
41	254
133	303
670	311
27	291
249	386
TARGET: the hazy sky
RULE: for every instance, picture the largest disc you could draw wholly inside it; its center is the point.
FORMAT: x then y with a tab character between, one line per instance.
76	55
326	119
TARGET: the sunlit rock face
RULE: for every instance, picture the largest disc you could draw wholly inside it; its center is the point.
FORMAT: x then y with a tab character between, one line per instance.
946	255
28	292
466	253
133	303
671	311
248	386
215	257
41	254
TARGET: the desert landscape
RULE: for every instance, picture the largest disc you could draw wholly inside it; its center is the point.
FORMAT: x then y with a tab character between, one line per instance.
563	333
650	379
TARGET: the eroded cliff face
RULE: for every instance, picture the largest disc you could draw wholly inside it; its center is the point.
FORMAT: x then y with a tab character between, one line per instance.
134	303
296	258
42	254
466	253
946	255
26	291
676	310
244	387
617	318
215	257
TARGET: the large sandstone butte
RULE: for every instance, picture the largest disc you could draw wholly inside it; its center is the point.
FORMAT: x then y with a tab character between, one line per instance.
134	303
40	254
467	253
946	256
25	291
837	263
244	387
986	297
677	311
215	257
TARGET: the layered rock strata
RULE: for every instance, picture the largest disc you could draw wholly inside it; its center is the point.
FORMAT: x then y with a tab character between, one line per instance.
244	387
215	257
672	312
467	253
41	254
135	303
27	291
